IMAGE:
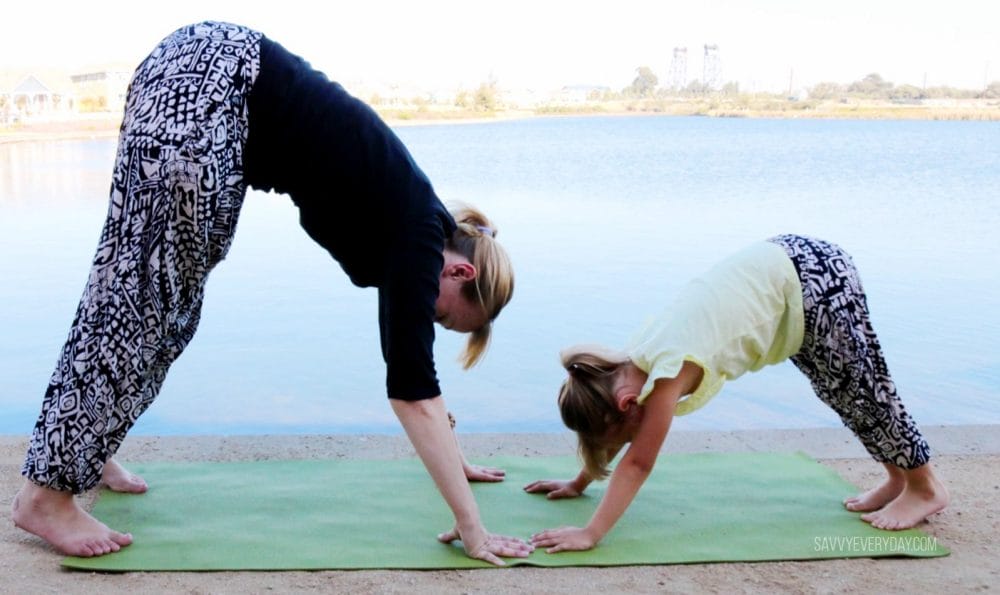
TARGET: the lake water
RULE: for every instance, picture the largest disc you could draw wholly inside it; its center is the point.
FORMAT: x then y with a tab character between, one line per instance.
605	217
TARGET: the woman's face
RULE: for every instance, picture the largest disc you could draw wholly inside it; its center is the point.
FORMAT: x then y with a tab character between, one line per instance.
452	310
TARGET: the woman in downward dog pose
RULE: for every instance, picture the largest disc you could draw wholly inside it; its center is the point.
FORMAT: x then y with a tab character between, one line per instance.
788	297
215	108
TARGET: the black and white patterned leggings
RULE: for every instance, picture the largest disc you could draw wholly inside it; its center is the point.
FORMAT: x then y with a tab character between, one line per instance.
842	357
176	193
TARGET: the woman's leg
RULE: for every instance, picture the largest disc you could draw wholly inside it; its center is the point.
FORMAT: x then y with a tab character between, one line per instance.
120	479
843	360
176	193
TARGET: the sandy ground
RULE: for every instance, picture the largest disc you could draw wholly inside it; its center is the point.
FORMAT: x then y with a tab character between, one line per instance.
968	459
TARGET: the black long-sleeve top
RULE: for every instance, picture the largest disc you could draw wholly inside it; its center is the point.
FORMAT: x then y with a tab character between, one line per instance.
361	196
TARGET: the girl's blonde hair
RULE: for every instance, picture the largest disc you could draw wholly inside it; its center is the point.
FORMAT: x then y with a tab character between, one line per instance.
475	239
587	402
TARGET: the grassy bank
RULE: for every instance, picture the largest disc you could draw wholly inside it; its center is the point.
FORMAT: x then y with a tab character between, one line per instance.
741	107
767	108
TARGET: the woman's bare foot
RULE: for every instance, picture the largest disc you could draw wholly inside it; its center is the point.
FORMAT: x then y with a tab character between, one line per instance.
120	479
878	497
55	517
922	496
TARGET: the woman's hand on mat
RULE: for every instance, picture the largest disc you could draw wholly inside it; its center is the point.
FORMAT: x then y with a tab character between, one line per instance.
564	539
554	488
491	548
480	473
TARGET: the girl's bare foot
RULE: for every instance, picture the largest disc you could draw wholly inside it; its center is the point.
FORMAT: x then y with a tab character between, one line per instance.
922	496
55	517
878	497
120	479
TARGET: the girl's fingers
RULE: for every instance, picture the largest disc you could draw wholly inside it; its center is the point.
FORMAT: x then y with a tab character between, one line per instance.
548	537
542	485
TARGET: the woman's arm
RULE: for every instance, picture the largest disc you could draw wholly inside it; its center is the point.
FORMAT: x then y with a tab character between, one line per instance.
426	424
474	472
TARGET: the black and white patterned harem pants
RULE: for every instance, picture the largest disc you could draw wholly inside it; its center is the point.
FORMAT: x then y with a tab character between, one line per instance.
842	357
176	193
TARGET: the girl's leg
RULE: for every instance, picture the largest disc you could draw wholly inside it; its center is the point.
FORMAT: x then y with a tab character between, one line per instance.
880	495
843	360
922	495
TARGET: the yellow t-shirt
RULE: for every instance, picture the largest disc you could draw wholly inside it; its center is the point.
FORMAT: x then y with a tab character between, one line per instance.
741	315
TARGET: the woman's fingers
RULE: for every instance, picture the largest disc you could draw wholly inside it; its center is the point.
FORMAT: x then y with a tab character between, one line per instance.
512	547
496	546
493	559
479	473
449	536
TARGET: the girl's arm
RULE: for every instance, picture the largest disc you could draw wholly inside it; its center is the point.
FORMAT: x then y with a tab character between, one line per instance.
555	488
632	471
639	460
426	424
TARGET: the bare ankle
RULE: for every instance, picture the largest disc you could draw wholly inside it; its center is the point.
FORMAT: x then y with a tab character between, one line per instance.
33	498
32	494
922	481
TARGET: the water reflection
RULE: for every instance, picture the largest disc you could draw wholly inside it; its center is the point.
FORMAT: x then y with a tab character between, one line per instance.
604	218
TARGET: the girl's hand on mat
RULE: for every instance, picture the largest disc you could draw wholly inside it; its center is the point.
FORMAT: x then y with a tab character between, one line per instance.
480	473
564	539
490	549
554	488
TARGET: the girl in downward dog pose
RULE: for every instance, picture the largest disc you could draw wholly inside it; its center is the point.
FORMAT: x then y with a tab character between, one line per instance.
790	297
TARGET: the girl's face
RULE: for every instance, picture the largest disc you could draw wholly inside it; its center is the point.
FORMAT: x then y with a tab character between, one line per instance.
617	436
623	433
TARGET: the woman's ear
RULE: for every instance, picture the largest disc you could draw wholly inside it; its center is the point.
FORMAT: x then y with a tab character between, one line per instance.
462	271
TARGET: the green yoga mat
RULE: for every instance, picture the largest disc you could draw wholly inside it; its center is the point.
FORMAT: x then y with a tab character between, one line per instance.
351	514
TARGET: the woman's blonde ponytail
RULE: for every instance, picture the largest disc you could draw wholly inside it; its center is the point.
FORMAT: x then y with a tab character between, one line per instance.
475	239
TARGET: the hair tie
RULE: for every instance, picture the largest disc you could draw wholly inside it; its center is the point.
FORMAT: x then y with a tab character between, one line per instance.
486	231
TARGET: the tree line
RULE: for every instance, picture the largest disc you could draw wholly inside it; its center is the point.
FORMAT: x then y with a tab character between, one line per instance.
872	86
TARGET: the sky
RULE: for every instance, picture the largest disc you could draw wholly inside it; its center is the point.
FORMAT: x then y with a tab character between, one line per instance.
764	45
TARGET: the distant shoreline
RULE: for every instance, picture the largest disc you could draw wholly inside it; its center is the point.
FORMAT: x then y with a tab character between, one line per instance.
107	126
